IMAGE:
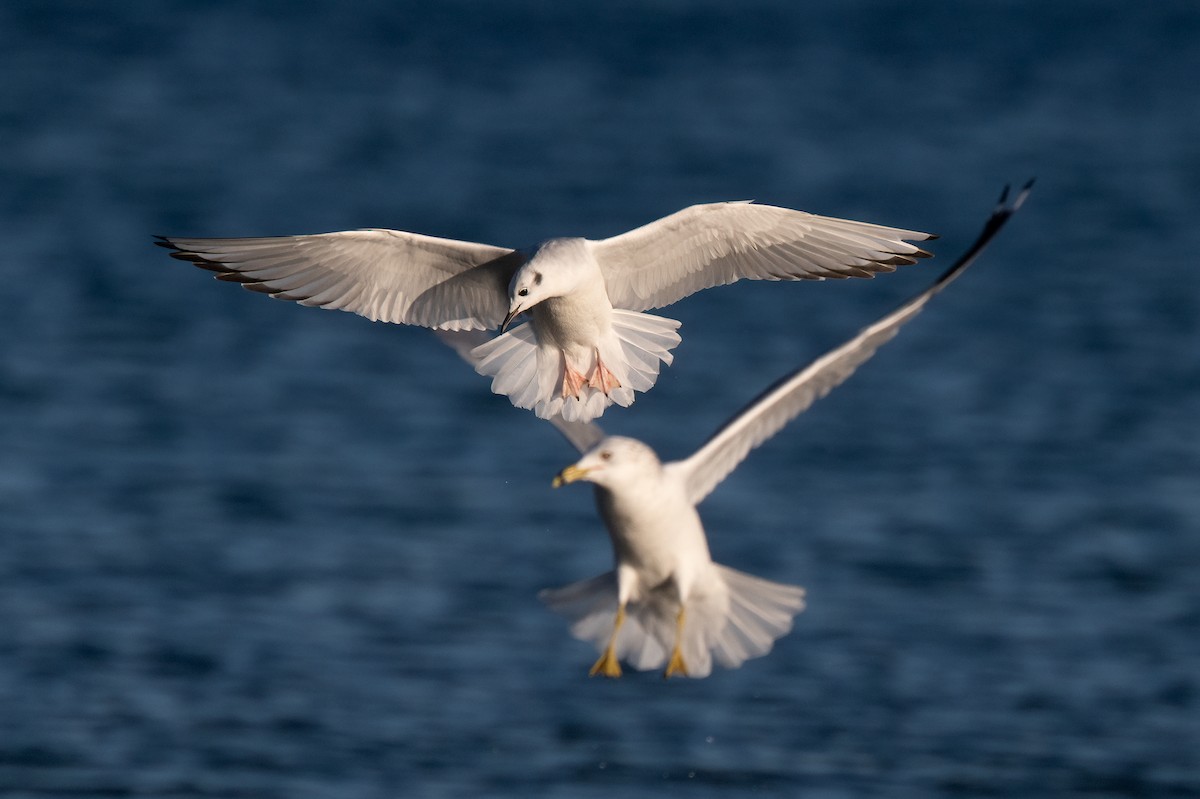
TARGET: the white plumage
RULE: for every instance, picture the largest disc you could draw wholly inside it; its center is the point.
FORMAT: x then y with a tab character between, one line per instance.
588	342
666	603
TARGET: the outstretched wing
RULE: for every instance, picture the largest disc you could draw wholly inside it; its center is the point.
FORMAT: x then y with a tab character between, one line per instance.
794	393
384	275
720	243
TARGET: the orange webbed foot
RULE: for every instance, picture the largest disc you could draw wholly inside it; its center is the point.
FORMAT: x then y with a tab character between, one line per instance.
602	378
573	381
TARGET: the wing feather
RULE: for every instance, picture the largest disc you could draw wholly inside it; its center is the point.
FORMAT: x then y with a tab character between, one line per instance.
384	275
719	243
795	392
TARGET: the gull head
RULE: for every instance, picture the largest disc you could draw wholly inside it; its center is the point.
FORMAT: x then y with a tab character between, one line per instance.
615	462
553	271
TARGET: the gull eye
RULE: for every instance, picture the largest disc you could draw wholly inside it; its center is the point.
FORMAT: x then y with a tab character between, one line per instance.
523	292
606	456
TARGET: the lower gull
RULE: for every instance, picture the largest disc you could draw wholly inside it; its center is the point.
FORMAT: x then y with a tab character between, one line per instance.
666	602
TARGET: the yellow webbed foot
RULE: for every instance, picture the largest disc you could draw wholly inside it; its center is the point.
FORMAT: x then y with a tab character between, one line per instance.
676	665
606	665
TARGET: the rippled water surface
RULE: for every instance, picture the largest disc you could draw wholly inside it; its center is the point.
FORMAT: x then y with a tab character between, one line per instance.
253	549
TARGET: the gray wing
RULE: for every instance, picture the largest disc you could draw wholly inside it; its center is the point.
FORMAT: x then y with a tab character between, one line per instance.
794	393
720	243
581	435
384	275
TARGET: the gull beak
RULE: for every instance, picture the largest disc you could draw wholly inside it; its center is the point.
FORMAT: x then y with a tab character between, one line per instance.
569	475
511	316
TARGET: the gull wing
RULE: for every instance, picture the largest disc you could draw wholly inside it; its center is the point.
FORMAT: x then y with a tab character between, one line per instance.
794	393
384	275
581	435
720	243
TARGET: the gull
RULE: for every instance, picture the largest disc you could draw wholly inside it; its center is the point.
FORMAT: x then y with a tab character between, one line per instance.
587	342
666	601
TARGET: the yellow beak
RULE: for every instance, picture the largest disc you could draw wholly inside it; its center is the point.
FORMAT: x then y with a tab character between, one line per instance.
569	475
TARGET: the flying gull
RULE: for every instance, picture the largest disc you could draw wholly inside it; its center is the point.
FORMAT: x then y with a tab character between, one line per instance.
666	601
587	343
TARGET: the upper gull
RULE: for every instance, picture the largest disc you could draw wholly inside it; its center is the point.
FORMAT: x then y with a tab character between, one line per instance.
588	342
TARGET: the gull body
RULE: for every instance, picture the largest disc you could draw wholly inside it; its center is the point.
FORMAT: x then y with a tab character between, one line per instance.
578	364
588	342
673	604
666	601
656	532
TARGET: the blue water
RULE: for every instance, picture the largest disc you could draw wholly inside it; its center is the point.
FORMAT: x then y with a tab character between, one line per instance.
249	549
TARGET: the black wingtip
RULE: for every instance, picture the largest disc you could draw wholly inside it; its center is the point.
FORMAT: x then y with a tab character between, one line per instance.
1005	205
189	257
1021	195
177	251
1002	213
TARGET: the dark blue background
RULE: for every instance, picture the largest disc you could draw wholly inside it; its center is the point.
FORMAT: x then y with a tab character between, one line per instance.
253	549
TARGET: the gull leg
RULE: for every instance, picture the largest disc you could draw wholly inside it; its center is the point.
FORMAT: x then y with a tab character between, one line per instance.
601	378
676	664
607	664
572	381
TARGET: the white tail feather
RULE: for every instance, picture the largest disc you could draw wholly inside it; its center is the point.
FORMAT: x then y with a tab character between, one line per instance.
739	621
511	359
760	611
530	375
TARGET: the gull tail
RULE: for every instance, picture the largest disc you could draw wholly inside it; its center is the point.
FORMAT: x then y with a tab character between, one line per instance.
590	606
737	620
531	375
759	612
646	340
